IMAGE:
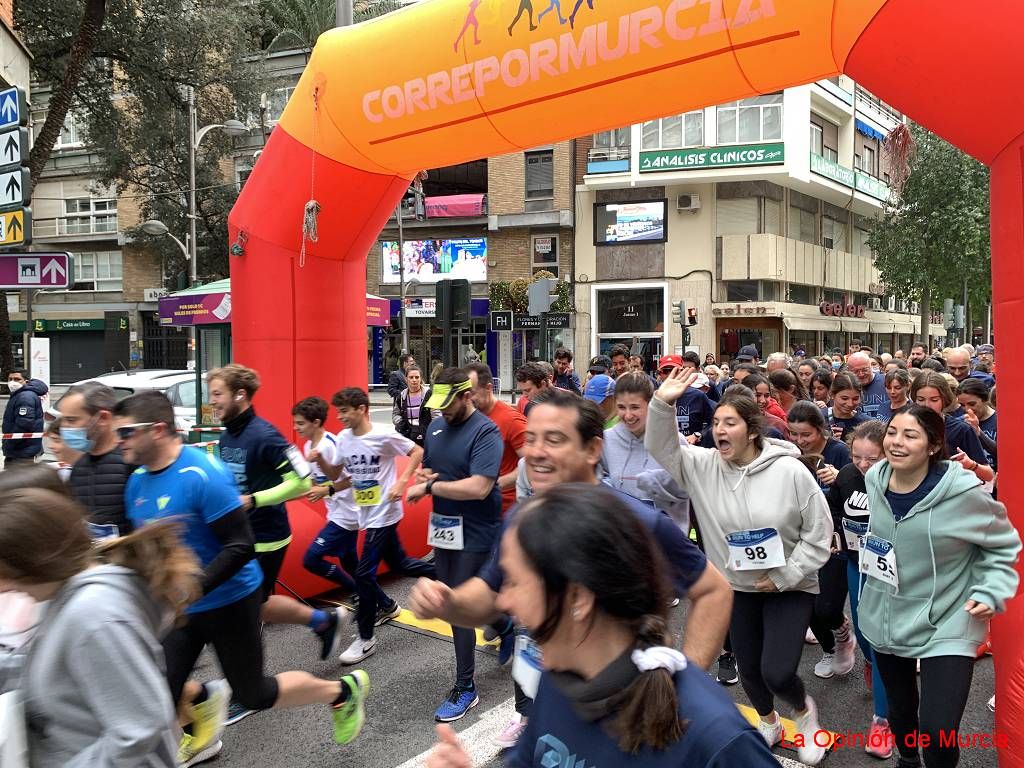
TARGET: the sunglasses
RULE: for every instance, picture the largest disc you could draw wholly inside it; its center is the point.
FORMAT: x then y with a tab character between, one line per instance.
128	431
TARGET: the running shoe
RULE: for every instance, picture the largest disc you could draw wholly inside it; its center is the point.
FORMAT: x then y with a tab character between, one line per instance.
458	703
208	718
359	650
809	638
237	713
772	732
844	658
992	704
332	634
506	648
490	634
727	674
824	668
673	603
350	715
880	739
869	678
510	734
807	725
187	756
386	614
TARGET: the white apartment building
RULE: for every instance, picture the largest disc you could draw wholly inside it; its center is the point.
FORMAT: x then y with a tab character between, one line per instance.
753	212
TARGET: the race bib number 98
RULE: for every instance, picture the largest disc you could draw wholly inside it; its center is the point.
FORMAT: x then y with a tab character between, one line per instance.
755	550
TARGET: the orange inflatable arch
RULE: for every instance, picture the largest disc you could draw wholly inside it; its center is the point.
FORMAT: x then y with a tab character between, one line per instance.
443	82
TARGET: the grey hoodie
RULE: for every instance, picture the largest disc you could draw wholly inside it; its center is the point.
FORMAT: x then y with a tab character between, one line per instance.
629	468
95	693
734	499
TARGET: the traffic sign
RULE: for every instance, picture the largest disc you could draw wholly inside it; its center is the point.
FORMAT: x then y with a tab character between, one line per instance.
500	320
14	187
13	146
16	227
30	269
12	108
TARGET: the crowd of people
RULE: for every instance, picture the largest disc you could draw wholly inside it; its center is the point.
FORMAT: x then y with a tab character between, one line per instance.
848	503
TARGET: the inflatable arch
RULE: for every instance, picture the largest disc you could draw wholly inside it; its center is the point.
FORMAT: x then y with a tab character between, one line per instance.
447	81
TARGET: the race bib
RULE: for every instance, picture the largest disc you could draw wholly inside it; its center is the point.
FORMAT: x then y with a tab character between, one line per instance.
755	550
445	532
367	493
853	532
299	464
527	664
878	560
102	531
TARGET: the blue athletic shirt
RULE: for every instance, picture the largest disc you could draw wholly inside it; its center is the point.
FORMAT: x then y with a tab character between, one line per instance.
874	397
196	489
960	436
694	410
458	451
686	561
716	736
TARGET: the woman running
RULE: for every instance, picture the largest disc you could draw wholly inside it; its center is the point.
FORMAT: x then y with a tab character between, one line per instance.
770	535
847	498
937	563
612	692
843	416
897	387
820	388
973	397
931	390
92	681
788	388
805	371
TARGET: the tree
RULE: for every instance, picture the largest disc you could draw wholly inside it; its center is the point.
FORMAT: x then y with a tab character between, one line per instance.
933	235
298	23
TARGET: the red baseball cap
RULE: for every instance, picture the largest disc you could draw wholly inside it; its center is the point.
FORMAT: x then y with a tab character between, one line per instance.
670	361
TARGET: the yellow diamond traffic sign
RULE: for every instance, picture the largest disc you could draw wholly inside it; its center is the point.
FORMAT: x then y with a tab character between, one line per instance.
15	227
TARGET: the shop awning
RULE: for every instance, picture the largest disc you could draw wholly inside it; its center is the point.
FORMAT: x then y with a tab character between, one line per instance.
444	206
856	326
938	330
797	323
906	327
882	327
869	131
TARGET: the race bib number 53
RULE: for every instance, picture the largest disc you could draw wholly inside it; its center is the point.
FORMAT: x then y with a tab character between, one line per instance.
445	532
878	560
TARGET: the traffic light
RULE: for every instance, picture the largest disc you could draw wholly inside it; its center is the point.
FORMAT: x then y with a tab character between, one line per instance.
679	312
691	316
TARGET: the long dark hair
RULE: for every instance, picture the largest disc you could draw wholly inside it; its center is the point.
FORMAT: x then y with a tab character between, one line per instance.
787	380
583	534
934	427
808	413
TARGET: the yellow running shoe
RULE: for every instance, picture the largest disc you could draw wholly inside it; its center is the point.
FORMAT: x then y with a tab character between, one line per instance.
349	716
207	723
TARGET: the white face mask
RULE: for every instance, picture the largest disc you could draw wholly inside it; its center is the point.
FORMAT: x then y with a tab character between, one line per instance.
14	386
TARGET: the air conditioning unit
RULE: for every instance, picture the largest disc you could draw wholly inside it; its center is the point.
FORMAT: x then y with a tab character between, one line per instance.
153	294
892	304
915	308
874	303
688	203
828	243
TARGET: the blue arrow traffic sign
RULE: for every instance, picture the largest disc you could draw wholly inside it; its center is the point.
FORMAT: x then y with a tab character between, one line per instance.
12	108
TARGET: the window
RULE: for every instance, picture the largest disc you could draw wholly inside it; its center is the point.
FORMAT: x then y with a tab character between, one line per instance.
748	208
867	162
71	133
817	139
803	218
545	253
540	174
616	139
100	271
276	103
675	132
834	297
242	176
86	215
635	310
833	227
756	119
861	232
802	294
742	290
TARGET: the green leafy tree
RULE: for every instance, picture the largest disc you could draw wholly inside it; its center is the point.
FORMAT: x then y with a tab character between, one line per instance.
298	23
933	237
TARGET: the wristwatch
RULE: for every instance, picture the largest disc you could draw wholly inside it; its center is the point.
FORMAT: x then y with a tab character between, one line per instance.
430	486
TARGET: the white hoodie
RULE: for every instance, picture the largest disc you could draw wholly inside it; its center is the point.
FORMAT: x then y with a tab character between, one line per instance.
731	499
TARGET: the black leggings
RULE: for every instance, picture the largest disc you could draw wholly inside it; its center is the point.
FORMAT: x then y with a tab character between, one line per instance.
454	568
936	711
767	634
828	604
234	632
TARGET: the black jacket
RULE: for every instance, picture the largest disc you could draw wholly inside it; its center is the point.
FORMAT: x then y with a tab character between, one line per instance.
400	417
97	483
24	413
396	383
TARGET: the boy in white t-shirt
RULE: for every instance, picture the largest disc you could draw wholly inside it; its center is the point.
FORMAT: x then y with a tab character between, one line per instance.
368	453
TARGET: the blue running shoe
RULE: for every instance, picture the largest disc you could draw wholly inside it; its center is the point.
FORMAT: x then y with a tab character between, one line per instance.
457	704
507	646
237	713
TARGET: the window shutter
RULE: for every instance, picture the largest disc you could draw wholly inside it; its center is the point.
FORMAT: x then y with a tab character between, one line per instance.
738	217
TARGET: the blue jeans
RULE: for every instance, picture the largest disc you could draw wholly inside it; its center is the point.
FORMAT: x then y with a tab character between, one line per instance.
877	686
382	544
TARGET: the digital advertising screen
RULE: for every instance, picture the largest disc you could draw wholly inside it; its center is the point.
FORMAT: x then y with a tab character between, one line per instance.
432	260
632	222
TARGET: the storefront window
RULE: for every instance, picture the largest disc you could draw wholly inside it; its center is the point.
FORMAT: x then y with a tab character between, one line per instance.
632	310
832	342
806	341
802	294
742	290
834	297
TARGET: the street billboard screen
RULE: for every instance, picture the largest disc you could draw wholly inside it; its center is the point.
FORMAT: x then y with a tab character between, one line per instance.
632	222
432	260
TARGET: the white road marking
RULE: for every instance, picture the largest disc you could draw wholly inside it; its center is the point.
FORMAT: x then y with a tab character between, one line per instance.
477	737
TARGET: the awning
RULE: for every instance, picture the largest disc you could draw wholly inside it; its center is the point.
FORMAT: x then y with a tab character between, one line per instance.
811	324
882	327
856	326
906	327
938	330
867	130
455	205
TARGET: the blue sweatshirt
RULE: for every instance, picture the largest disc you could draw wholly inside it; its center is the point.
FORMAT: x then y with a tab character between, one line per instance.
716	736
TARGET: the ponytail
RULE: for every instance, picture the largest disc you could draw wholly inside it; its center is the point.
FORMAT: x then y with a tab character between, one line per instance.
649	711
155	552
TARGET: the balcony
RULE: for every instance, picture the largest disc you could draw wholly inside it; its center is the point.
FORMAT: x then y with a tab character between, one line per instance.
608	160
75	226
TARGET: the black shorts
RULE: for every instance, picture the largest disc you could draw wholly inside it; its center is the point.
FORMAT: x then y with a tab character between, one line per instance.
270	564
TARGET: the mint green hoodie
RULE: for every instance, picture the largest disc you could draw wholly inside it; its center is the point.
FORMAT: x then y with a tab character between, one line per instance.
954	545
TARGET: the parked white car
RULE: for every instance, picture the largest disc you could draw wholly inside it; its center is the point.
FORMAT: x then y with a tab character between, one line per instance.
179	386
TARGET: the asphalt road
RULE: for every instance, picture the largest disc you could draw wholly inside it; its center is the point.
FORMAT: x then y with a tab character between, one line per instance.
413	670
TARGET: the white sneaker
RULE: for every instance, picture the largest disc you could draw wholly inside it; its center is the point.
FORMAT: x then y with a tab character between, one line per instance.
510	734
807	726
992	704
772	732
358	651
809	638
824	668
844	658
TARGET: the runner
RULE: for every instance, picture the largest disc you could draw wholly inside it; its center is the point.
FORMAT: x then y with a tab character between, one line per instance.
761	390
931	390
531	380
897	387
848	501
91	681
619	355
185	483
368	453
973	396
844	416
565	377
461	466
600	390
821	388
613	693
788	388
872	383
936	565
694	409
805	371
772	551
830	626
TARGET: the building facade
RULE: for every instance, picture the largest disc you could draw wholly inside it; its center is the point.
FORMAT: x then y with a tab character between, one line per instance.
755	213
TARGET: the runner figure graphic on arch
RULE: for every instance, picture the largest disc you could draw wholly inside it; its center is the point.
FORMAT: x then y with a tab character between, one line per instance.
471	21
525	6
554	5
576	9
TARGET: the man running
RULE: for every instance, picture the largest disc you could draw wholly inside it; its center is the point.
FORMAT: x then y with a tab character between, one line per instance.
195	489
873	394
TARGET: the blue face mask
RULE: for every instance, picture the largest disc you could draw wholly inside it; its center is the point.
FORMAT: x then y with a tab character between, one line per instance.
77	439
836	366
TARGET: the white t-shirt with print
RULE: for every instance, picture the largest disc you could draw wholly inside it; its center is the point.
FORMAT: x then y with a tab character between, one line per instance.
341	507
370	460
